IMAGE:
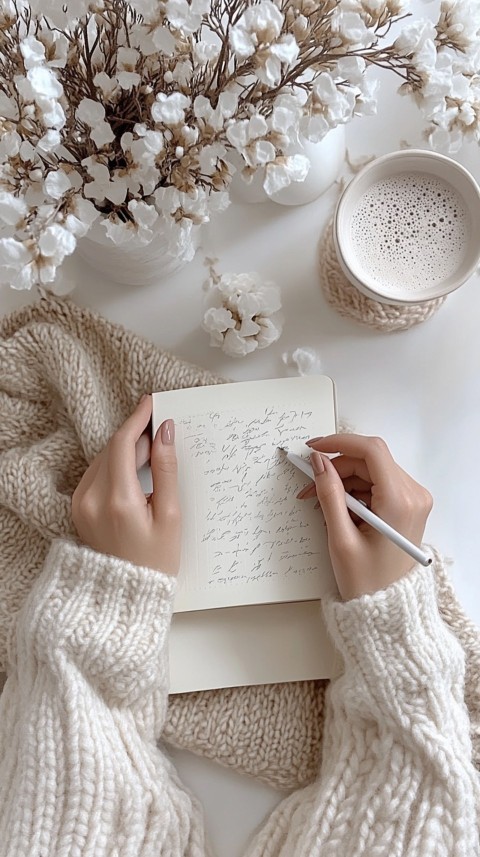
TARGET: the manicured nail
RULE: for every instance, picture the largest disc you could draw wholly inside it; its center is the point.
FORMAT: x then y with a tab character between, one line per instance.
314	440
168	432
317	463
303	491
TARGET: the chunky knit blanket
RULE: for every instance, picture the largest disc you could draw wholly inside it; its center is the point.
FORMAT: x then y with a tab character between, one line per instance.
68	379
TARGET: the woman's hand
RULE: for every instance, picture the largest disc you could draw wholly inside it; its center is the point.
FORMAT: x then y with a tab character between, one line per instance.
109	509
364	560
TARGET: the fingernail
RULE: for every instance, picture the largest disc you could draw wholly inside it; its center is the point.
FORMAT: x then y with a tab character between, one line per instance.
167	431
317	505
317	463
143	397
303	491
314	440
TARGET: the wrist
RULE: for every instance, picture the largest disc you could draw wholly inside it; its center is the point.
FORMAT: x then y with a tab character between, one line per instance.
395	636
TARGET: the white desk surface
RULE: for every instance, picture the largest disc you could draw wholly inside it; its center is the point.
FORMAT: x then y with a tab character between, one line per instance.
419	389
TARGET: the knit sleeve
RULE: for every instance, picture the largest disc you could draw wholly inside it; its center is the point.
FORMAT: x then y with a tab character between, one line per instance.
397	775
102	615
83	705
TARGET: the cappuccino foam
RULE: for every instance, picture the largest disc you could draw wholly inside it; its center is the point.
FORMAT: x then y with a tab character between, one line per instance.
409	232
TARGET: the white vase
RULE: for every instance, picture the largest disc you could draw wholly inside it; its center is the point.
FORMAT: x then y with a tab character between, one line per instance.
133	263
326	159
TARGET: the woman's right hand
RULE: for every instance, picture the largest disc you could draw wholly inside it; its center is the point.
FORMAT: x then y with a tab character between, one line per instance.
363	560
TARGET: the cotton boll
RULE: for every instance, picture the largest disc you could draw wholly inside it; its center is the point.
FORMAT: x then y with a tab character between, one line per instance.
102	134
56	184
170	109
56	242
13	256
284	171
305	361
12	209
242	313
90	112
44	82
33	52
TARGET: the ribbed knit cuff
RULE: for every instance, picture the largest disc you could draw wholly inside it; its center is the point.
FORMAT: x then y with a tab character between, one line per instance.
396	638
108	616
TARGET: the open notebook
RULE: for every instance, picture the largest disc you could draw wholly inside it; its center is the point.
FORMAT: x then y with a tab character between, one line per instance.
254	559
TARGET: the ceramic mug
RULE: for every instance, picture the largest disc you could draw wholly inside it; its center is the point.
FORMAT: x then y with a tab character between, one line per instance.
406	228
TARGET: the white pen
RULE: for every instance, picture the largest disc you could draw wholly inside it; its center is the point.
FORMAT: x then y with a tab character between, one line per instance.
366	514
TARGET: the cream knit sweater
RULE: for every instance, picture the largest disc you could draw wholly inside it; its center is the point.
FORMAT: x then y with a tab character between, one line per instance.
81	775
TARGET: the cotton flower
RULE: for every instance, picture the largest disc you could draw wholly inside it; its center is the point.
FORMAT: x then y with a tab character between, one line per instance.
12	209
56	184
242	313
259	24
282	172
44	83
170	109
127	76
56	242
90	112
305	361
186	16
131	122
13	256
106	84
33	52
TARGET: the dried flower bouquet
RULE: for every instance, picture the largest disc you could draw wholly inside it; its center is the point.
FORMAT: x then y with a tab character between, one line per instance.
123	114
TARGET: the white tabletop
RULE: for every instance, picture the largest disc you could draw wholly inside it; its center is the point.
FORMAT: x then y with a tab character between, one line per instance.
419	389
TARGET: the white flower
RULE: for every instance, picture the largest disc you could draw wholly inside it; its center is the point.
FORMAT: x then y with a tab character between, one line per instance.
242	313
56	184
33	52
414	36
57	48
306	361
143	214
53	112
12	209
13	256
170	109
107	85
56	242
459	22
260	24
351	69
351	29
102	134
103	185
269	64
186	16
81	217
128	79
284	171
49	142
90	112
242	132
44	82
164	40
204	52
60	14
8	108
10	143
218	320
127	76
183	73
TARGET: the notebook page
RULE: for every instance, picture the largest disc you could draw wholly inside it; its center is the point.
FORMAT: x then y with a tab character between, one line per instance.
246	539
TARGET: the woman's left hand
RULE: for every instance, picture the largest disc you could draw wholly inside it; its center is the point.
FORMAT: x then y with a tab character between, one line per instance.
109	509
